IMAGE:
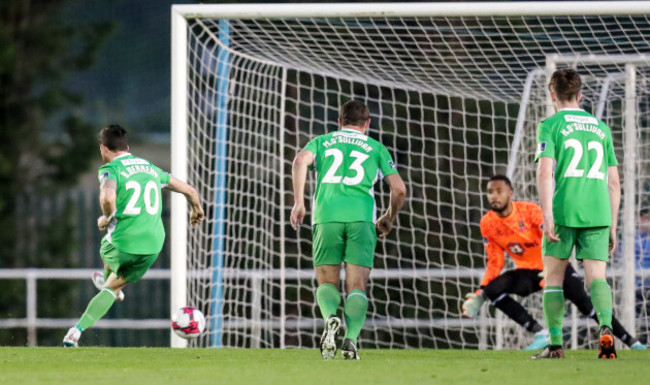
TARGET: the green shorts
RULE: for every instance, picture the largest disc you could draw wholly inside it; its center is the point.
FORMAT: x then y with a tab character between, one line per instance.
338	242
590	243
130	266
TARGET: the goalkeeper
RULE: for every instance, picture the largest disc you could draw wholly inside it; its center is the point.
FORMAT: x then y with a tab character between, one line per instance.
515	227
347	162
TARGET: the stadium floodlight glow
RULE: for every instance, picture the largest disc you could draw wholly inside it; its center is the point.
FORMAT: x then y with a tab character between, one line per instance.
455	92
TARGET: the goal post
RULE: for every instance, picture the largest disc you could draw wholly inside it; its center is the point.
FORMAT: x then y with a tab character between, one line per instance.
179	141
455	93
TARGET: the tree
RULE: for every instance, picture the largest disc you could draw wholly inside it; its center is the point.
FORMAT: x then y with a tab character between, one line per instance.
44	145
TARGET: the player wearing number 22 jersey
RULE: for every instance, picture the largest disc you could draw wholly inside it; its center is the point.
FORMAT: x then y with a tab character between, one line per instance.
580	201
348	163
583	149
131	203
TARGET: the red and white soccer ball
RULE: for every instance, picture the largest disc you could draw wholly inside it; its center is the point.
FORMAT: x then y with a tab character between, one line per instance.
188	322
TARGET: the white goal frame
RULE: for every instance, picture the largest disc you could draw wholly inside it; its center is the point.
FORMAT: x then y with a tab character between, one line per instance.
179	84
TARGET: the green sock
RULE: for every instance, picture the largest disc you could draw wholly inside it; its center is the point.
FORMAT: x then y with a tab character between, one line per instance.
328	298
601	298
553	303
355	310
97	308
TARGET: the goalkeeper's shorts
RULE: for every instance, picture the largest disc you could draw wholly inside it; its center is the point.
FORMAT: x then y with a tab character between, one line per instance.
337	242
130	266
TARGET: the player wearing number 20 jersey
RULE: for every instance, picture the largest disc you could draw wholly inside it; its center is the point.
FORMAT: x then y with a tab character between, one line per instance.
131	204
348	164
582	146
136	227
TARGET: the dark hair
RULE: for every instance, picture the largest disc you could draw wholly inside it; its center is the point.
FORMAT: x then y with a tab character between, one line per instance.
503	178
354	113
566	84
114	137
644	212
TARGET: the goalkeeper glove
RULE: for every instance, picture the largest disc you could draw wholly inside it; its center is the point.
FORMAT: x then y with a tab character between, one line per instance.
473	303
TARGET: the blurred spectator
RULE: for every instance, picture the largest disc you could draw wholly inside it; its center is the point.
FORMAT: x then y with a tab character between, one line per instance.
642	261
642	240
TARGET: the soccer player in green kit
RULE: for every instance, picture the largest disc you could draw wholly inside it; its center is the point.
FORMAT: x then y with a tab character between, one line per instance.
579	206
131	204
348	162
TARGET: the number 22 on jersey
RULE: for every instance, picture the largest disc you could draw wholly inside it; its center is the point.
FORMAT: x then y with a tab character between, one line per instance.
594	171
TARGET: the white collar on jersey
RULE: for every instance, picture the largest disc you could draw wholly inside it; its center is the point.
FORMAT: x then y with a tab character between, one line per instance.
121	155
572	109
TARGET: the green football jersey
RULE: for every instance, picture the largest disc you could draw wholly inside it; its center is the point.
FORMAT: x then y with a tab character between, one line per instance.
348	164
137	227
583	149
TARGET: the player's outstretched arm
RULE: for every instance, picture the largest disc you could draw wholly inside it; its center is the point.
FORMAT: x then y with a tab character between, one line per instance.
397	195
107	197
197	214
303	160
545	189
614	185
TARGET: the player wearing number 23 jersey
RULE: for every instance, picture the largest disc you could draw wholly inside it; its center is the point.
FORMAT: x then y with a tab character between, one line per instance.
348	165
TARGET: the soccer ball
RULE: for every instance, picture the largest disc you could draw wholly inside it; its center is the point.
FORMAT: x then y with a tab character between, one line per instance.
188	322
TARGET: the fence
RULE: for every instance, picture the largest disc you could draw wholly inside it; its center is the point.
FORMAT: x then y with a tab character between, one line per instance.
32	322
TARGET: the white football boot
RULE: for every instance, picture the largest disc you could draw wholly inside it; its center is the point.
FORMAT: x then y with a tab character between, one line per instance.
328	339
71	340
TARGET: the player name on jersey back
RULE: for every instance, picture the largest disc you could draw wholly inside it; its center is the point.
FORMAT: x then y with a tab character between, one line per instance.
582	123
349	138
139	169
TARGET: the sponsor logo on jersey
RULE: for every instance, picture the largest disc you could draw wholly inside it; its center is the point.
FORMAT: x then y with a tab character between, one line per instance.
485	241
131	162
351	134
391	164
515	248
541	147
581	119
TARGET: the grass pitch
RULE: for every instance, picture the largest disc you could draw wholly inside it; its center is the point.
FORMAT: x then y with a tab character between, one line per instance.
143	366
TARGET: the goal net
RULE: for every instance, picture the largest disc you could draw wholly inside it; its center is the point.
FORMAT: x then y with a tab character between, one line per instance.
455	95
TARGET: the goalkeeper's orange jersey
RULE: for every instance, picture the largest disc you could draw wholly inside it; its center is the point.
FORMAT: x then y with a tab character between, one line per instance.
519	234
